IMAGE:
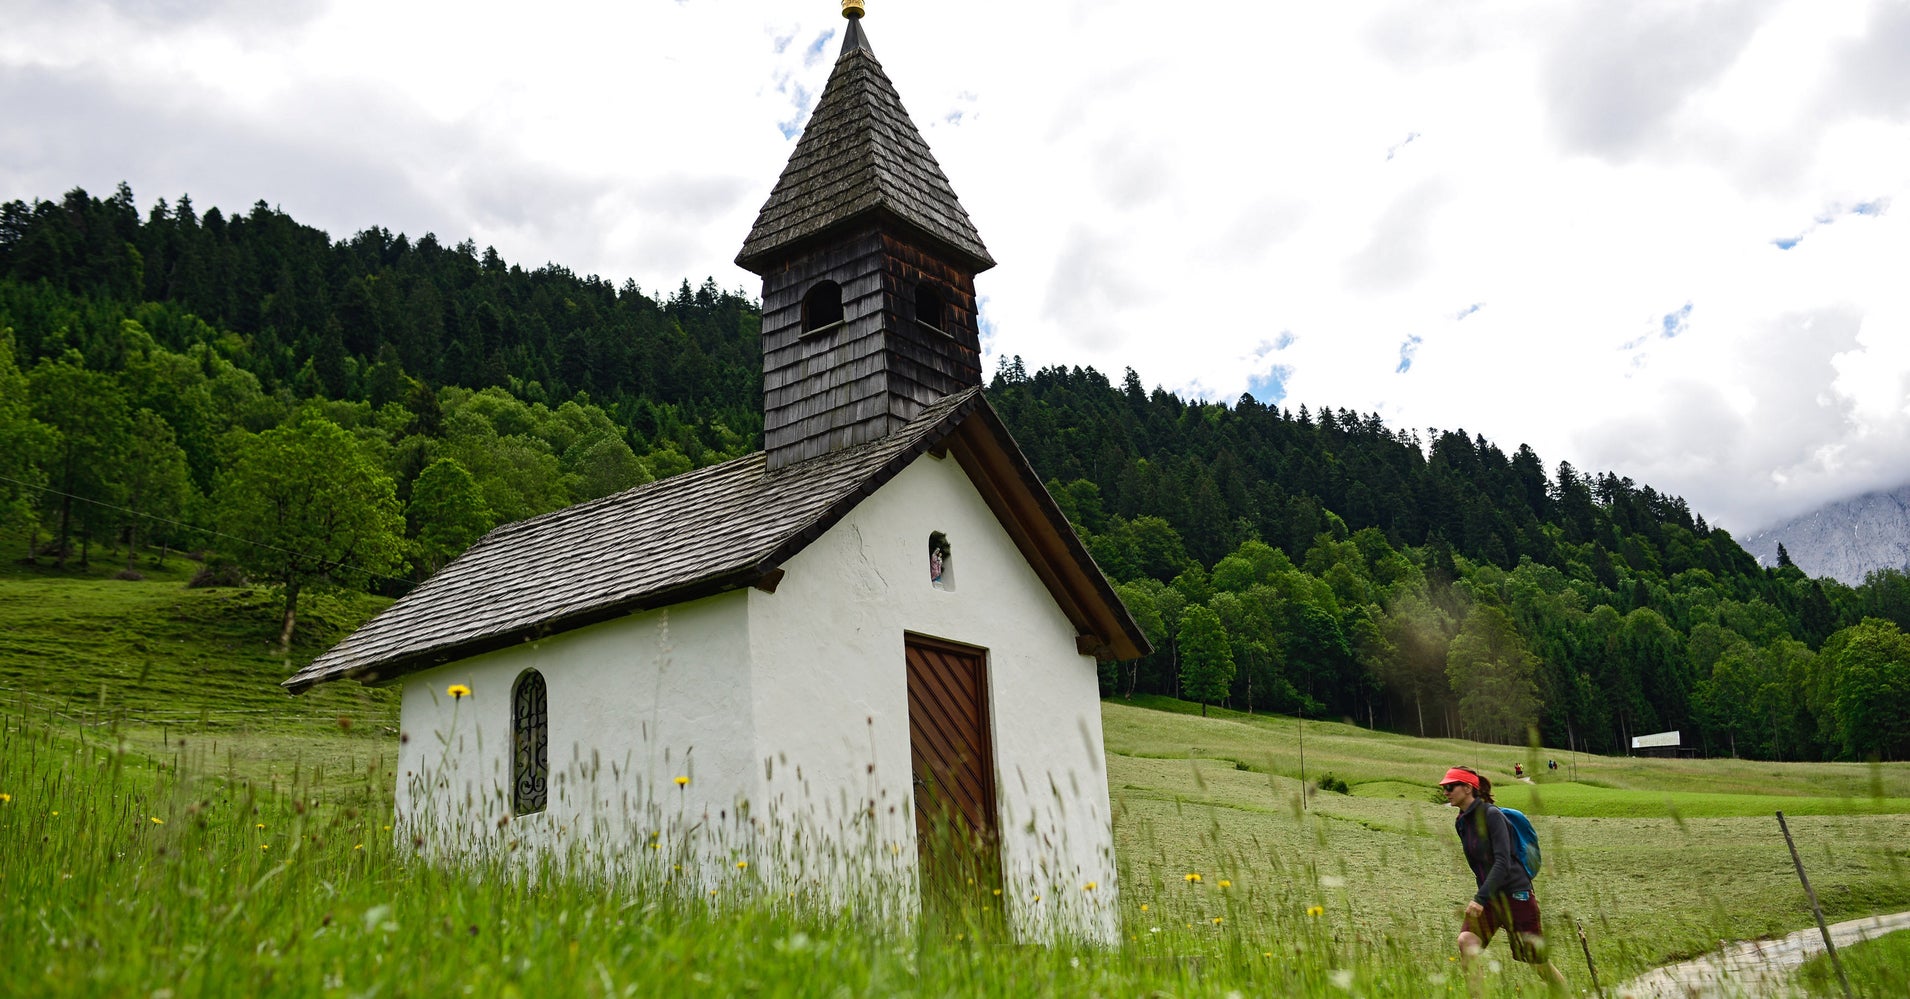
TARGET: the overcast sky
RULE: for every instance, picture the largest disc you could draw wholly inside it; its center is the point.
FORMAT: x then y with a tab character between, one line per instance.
1668	239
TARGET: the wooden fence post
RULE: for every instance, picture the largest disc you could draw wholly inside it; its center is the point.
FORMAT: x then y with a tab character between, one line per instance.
1816	909
1586	946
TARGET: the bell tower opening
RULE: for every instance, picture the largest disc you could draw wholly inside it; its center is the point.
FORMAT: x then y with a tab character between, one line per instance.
928	305
822	307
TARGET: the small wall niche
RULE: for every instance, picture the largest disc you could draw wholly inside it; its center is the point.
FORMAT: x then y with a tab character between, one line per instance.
941	562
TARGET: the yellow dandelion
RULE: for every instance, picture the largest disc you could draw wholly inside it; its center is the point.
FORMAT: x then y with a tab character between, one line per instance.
1143	906
387	828
158	821
5	797
654	845
1217	920
1224	883
998	892
261	825
1037	898
741	864
682	781
1090	886
712	893
1316	910
458	691
1191	877
265	846
359	846
56	815
1266	953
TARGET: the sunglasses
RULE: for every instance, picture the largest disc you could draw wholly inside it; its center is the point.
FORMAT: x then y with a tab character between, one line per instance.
1448	787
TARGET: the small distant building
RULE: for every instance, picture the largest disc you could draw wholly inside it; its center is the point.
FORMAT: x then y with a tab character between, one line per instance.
1662	744
834	657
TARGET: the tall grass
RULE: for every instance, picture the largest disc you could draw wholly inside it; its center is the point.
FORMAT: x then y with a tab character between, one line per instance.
128	875
273	867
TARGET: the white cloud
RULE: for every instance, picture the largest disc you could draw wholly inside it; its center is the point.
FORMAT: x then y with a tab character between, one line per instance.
1218	197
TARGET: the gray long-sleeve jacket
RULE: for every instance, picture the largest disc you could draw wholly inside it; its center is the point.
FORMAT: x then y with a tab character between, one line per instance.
1487	839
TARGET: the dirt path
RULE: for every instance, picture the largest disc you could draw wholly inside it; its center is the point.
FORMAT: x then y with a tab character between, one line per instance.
1756	968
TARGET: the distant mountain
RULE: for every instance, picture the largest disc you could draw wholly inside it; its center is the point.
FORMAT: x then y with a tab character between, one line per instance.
1845	539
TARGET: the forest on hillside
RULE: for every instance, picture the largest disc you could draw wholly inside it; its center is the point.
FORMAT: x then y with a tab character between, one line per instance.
301	411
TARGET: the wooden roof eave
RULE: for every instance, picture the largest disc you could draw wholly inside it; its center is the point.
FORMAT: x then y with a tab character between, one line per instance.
763	259
1007	483
762	574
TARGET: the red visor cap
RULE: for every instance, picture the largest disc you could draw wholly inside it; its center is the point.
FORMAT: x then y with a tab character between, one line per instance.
1458	776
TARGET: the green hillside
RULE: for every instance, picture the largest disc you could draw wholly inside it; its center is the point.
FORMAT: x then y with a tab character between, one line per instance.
167	667
173	378
172	816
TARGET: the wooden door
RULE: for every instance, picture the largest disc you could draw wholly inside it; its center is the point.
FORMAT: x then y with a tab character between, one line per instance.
954	769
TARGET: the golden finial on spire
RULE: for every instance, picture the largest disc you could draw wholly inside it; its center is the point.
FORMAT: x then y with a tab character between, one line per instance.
852	9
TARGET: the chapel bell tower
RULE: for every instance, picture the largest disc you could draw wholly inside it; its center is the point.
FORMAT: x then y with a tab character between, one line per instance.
868	264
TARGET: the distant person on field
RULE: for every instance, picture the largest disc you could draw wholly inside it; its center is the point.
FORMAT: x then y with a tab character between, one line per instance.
1504	899
1518	770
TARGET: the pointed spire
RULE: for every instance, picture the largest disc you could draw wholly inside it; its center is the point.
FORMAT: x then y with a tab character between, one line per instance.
861	156
853	37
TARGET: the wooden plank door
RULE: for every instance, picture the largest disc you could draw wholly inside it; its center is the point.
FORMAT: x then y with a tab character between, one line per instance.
954	769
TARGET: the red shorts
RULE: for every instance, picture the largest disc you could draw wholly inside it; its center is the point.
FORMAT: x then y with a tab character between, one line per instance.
1521	916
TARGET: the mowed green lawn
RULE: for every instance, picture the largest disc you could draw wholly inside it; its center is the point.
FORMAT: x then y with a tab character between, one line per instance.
176	670
142	700
1658	860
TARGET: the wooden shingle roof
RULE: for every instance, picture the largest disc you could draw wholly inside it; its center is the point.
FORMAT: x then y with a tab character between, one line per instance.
861	156
703	532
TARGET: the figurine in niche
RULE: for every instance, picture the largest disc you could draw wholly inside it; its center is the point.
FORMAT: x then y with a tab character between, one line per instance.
938	559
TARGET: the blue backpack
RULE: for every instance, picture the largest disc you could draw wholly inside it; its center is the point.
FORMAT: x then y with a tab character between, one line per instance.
1525	840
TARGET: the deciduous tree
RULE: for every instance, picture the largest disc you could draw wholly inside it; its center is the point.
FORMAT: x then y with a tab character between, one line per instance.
311	507
157	482
88	411
1869	671
1493	675
24	441
1206	661
448	511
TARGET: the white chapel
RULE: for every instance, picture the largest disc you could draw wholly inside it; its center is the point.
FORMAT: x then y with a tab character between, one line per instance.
818	660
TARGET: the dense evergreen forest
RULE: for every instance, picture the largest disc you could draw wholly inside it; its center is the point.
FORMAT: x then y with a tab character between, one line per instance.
298	411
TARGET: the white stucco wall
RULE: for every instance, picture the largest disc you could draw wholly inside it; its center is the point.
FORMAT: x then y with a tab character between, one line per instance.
830	690
633	704
789	713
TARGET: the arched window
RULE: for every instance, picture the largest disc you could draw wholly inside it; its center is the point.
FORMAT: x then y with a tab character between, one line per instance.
530	744
928	306
822	306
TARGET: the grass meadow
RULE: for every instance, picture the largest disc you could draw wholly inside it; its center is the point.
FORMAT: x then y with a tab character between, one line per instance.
1879	967
171	824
